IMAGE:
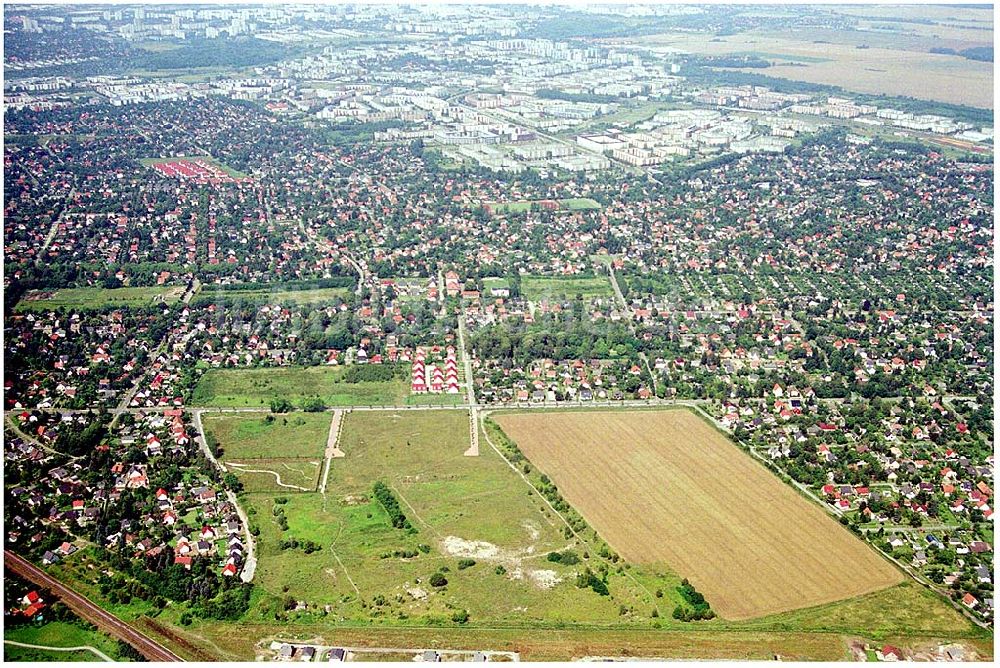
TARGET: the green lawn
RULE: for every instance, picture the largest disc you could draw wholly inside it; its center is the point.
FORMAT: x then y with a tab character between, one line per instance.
579	203
905	609
281	475
318	295
435	399
536	288
58	634
92	298
256	387
290	435
572	204
491	282
449	499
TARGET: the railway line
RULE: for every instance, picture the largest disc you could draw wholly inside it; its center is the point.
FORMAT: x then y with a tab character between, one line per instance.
86	609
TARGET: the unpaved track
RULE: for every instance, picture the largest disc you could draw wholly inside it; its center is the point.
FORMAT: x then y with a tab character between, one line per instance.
82	648
277	476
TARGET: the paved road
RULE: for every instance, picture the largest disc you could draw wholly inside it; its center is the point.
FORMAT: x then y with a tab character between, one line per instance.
30	439
83	607
331	447
82	648
51	236
250	564
473	450
627	314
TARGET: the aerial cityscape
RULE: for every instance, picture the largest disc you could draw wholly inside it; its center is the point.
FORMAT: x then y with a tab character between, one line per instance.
498	332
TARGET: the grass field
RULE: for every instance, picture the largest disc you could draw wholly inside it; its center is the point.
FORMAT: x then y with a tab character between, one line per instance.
460	507
571	204
537	288
92	298
579	204
673	489
277	475
57	634
256	387
284	454
319	295
290	435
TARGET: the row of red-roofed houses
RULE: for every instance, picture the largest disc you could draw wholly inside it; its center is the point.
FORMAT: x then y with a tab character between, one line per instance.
429	377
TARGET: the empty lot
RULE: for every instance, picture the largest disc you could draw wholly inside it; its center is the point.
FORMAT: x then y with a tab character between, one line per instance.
666	487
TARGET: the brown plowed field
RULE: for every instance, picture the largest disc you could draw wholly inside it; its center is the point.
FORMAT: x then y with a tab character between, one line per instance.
665	487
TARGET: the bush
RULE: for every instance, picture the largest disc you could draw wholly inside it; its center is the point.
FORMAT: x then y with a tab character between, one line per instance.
567	558
465	563
438	580
699	608
281	405
391	505
589	579
313	405
460	617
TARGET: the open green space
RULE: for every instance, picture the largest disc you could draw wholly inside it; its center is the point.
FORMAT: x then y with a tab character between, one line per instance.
491	282
907	608
571	204
279	475
257	387
579	203
275	296
472	508
435	399
536	288
94	298
267	436
58	634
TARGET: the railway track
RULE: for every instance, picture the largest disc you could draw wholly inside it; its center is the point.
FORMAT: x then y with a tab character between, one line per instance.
86	609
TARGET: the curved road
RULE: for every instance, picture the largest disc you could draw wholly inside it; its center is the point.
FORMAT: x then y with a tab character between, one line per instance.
82	606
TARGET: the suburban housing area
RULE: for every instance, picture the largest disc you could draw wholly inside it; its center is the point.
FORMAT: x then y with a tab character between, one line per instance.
497	333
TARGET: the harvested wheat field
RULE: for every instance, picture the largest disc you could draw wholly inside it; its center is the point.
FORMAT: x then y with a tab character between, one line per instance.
663	486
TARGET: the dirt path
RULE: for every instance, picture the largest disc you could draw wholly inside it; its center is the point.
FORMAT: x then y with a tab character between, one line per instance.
277	476
83	648
250	565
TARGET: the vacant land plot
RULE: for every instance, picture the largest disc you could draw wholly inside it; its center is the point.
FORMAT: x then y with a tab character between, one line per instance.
92	298
257	387
665	486
58	634
274	296
867	62
289	435
537	288
277	475
271	453
571	204
460	508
